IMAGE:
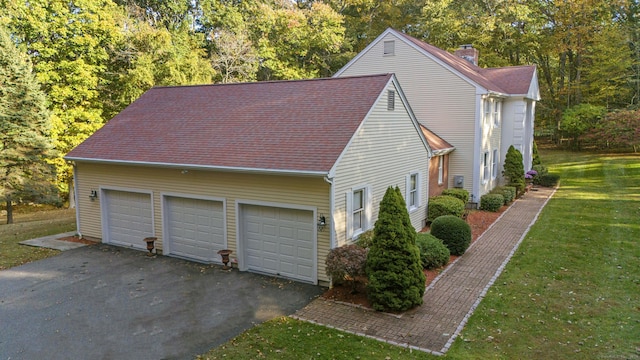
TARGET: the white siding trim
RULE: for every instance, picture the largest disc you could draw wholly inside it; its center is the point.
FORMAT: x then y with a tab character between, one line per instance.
75	193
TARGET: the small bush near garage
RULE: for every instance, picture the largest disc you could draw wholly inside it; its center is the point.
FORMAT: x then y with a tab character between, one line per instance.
454	232
396	280
445	205
491	202
346	264
365	239
548	180
433	253
461	194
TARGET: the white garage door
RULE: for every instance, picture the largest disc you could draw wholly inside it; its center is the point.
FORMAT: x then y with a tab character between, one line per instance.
128	217
279	241
195	228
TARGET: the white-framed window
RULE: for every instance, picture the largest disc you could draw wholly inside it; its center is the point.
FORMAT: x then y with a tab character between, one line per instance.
413	191
440	170
497	113
494	164
389	48
359	201
487	112
485	167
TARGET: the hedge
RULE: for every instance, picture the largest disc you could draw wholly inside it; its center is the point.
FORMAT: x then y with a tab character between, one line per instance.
491	202
461	194
445	205
548	180
454	232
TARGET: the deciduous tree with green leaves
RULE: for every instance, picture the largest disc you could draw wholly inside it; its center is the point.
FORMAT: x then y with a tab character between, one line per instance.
396	281
25	143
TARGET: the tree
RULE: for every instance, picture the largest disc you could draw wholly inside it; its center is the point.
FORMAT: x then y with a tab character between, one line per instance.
578	119
514	169
25	144
620	129
234	58
396	280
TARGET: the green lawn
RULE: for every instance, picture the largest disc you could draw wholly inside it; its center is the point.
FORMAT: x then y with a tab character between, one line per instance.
571	291
29	225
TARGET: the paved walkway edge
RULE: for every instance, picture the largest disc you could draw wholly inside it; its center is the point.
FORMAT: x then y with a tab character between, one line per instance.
464	321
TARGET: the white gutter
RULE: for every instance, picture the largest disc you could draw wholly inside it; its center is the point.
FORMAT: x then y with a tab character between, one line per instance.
199	167
332	229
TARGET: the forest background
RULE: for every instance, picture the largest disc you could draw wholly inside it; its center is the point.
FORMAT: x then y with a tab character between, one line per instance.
71	65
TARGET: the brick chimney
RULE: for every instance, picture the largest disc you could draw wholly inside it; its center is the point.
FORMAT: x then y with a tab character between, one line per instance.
469	53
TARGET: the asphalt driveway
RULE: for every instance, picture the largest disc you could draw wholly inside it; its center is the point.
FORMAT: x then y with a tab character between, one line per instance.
104	302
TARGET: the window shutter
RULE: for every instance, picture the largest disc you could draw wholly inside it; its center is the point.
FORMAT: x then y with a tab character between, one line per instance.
368	210
407	191
349	214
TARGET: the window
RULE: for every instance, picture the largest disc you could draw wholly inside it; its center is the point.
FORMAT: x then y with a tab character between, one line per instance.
358	211
413	191
485	167
487	111
391	100
440	170
494	164
389	48
497	109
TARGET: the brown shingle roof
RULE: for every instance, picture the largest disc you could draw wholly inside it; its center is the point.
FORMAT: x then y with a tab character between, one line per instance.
506	80
438	145
298	126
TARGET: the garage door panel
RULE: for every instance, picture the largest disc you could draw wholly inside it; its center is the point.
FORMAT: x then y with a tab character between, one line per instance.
195	228
128	218
279	241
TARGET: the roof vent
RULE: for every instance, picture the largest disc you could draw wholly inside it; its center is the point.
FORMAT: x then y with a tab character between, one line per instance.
469	53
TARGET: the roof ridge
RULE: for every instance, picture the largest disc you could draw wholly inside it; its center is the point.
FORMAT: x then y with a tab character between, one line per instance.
269	81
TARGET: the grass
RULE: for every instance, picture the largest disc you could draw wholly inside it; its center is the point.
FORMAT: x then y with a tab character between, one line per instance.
572	290
29	224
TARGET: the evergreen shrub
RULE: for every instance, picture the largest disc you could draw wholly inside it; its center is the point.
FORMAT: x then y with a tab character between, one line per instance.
433	253
365	239
454	232
396	280
445	205
491	202
508	192
514	170
461	194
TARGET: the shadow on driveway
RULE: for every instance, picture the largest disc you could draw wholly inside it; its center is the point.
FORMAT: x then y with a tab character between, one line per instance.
104	302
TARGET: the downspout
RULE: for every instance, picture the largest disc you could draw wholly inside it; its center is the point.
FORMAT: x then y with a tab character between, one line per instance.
75	193
332	230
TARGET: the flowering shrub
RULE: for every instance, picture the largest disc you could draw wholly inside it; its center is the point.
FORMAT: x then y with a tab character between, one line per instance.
529	175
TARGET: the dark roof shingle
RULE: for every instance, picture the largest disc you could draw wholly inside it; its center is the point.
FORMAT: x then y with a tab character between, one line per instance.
297	126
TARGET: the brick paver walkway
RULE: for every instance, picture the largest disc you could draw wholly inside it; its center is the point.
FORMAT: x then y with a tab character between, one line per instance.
451	298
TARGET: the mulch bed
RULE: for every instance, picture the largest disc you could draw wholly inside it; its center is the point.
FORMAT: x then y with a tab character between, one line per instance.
477	219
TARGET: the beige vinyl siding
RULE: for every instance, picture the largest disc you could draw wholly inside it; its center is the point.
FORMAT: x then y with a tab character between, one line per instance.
304	191
440	99
386	149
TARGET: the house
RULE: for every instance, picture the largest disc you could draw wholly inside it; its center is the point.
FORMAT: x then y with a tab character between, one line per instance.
278	172
480	111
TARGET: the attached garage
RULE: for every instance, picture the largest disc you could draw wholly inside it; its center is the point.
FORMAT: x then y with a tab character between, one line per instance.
128	218
194	228
279	241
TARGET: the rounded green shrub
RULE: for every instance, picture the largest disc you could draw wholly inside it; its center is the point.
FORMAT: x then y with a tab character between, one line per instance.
396	280
491	202
445	205
433	252
548	180
454	232
461	194
508	192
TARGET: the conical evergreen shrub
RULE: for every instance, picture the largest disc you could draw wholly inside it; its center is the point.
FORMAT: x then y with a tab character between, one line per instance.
396	281
514	169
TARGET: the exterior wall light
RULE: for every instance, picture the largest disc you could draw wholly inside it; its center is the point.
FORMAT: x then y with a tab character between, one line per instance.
322	222
93	195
